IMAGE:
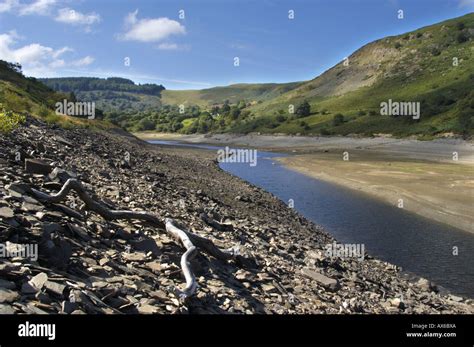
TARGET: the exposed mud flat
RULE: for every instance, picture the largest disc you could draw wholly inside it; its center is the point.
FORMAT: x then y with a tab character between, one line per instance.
440	191
436	150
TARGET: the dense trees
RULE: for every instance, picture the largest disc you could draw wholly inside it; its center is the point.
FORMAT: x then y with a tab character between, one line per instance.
338	119
117	84
10	66
466	114
304	109
191	119
461	38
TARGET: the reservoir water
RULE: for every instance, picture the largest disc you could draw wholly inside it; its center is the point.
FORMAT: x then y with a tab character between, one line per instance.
417	244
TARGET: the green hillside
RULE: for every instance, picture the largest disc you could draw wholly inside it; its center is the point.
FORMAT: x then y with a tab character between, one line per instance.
433	65
21	94
27	96
251	93
151	107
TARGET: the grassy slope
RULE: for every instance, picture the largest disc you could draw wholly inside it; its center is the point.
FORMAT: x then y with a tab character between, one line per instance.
28	96
417	66
233	93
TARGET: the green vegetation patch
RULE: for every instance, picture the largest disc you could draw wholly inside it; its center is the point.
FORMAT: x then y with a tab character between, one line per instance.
9	120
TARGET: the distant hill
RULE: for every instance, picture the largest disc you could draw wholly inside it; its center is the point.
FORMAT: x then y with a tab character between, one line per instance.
149	106
252	93
432	67
109	94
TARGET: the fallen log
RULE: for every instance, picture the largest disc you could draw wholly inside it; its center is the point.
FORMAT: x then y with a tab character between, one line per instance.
189	240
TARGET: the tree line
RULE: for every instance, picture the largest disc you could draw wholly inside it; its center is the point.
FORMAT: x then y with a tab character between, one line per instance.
81	84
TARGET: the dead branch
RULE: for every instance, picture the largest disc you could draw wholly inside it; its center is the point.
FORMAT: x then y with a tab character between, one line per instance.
189	240
190	253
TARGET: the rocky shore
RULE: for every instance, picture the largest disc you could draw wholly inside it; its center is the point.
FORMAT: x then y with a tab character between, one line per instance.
89	265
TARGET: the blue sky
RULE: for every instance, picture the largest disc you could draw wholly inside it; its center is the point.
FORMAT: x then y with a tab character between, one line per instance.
52	38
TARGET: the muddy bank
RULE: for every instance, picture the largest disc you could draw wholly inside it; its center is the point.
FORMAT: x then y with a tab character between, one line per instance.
89	265
440	191
436	150
385	168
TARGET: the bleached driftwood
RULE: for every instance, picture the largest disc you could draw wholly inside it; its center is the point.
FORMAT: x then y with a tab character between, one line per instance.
190	253
189	240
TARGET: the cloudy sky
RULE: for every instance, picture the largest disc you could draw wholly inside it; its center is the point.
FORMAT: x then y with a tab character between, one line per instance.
193	44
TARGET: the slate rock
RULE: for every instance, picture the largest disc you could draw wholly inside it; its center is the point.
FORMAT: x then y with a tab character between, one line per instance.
327	282
55	288
6	309
7	295
6	212
37	166
7	284
39	280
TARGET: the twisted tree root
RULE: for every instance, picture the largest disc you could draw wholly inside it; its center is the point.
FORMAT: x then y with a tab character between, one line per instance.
188	239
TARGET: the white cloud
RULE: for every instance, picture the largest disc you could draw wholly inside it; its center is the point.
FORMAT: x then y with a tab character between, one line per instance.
150	29
29	54
8	5
83	62
57	64
62	51
46	7
39	7
36	59
32	53
73	17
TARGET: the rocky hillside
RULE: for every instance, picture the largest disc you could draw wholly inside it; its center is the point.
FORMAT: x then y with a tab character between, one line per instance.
433	65
89	265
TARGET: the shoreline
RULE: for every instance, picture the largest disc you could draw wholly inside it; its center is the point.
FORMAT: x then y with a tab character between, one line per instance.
436	150
390	184
283	252
386	169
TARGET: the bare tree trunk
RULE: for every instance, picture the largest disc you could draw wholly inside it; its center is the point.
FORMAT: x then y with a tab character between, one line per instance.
189	240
